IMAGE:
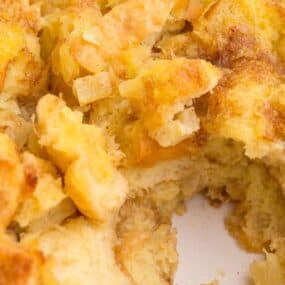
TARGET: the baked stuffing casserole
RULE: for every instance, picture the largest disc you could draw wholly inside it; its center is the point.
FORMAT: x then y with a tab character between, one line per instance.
113	113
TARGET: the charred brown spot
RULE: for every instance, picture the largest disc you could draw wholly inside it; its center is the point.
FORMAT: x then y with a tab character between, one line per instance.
31	178
188	27
16	265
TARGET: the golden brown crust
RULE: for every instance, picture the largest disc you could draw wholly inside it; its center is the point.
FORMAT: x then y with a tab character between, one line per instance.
148	250
154	109
12	180
17	266
242	108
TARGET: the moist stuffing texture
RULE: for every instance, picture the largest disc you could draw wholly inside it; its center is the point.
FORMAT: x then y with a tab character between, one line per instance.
114	112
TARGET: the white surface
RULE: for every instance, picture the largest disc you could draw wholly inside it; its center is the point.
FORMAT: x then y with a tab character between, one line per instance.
206	250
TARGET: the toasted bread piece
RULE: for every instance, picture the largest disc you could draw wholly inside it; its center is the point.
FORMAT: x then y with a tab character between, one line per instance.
45	202
91	180
147	243
18	266
21	70
162	96
12	180
149	257
78	252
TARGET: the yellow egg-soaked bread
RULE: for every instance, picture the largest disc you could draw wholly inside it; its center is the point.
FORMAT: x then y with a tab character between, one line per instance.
91	180
153	102
22	73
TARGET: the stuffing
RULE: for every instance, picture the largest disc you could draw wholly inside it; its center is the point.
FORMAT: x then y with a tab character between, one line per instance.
262	18
44	194
146	240
154	110
118	119
154	101
12	180
257	219
218	164
18	266
78	253
130	23
250	120
162	96
96	187
153	251
21	70
271	269
107	38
